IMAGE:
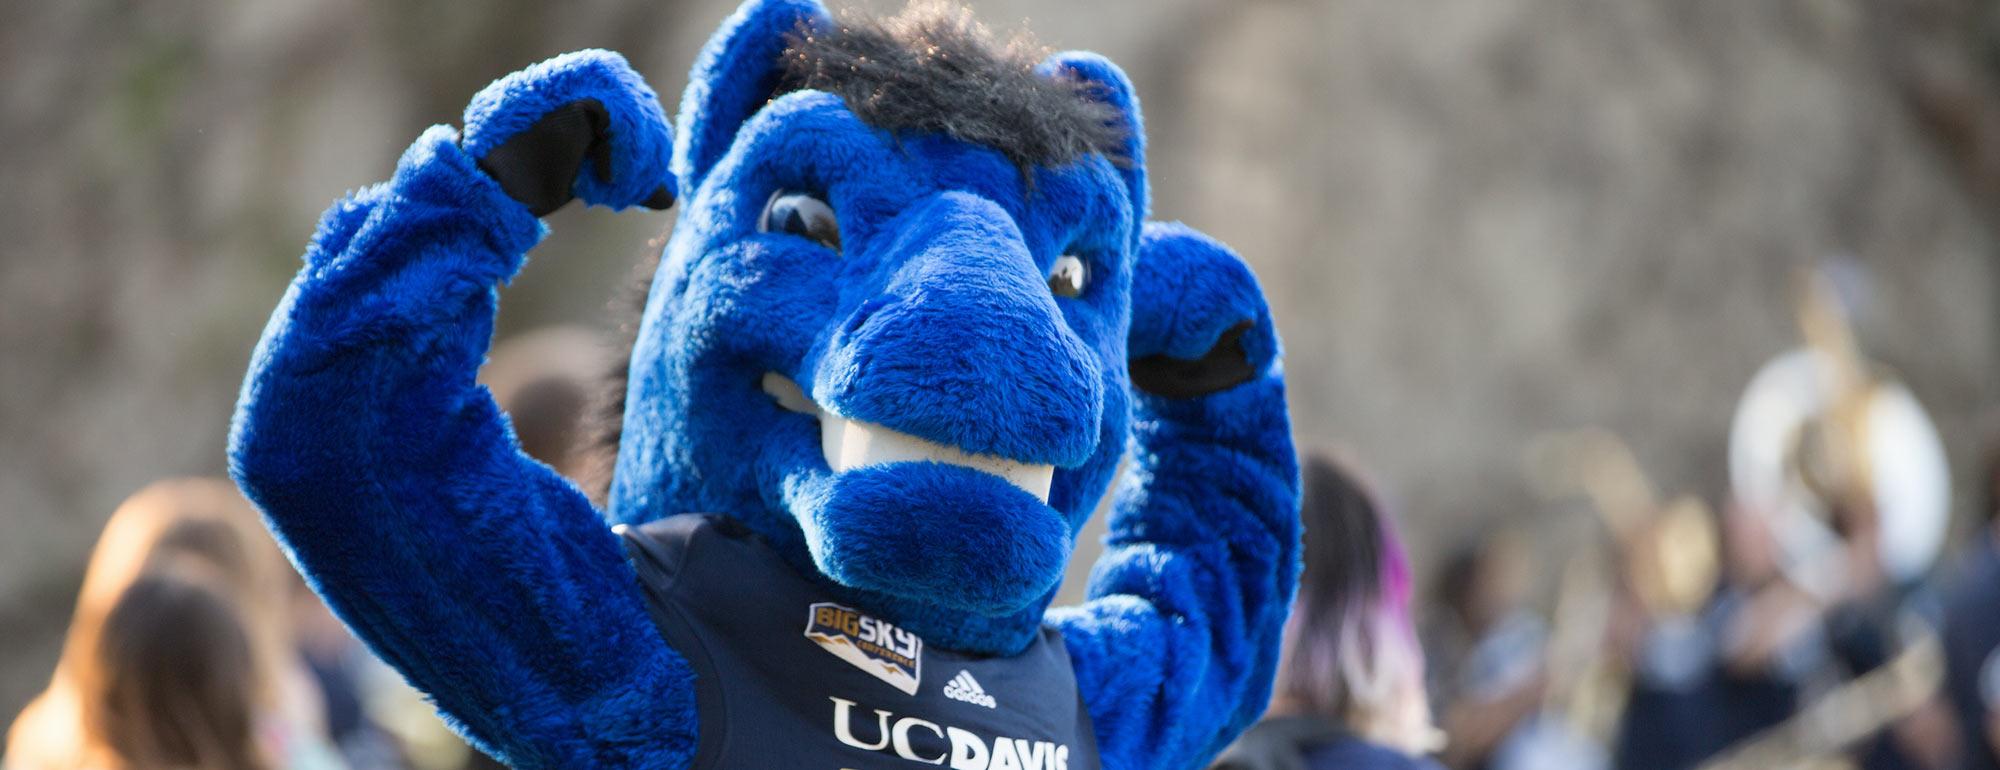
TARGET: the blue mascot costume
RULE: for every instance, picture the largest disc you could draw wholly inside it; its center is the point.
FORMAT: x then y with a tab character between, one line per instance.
909	321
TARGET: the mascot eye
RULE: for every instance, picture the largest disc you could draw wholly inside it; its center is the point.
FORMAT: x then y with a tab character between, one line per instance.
801	215
1069	277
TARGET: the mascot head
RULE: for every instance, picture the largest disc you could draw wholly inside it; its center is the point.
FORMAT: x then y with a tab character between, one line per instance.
889	331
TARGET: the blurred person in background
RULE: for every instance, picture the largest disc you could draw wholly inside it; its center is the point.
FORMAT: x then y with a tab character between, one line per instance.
124	657
1989	690
1733	672
1487	647
1971	623
1350	687
1753	680
1669	665
1880	621
354	686
172	683
1767	635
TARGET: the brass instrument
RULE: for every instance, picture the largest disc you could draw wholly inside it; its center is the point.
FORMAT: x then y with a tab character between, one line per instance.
1846	715
1825	444
1669	554
1829	448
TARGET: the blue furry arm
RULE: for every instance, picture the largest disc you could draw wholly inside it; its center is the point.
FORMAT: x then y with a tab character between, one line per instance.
395	483
1176	647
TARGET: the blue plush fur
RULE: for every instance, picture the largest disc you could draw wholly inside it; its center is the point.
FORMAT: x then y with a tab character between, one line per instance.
492	583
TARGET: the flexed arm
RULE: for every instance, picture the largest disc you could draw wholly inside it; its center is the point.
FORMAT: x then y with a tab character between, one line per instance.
1176	647
392	478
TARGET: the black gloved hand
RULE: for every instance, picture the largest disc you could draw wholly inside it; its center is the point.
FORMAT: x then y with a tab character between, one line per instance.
534	130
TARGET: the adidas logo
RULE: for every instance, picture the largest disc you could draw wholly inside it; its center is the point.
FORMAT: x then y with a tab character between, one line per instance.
965	688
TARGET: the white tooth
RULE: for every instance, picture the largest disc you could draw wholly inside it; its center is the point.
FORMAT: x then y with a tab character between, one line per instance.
850	444
788	395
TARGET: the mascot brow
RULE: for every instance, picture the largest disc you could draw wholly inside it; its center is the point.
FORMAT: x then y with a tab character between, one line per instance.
883	374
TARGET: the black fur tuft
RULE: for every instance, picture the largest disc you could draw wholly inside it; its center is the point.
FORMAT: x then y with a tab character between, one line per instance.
934	69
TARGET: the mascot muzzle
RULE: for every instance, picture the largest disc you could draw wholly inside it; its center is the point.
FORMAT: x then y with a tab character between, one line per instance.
949	393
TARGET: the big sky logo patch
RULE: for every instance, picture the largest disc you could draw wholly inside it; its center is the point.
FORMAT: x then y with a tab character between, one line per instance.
878	647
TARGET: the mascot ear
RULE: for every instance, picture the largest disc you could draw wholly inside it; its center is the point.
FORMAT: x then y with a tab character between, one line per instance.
1104	82
736	73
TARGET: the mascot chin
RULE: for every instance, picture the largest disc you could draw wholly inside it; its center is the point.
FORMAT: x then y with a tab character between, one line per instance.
910	319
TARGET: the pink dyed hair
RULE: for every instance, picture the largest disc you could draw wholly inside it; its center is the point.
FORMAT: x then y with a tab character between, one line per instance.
1351	652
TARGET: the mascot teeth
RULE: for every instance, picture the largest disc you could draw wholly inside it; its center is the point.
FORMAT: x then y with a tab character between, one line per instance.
855	444
788	394
850	444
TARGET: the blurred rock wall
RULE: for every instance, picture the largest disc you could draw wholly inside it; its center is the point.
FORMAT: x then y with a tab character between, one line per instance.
1477	219
1482	220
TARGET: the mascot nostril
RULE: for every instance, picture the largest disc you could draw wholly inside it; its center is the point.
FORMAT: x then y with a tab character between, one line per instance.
860	429
866	311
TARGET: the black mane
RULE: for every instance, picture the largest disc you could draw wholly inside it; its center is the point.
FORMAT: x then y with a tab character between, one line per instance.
934	69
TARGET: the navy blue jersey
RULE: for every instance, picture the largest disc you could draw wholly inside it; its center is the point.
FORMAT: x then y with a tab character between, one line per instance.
787	677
